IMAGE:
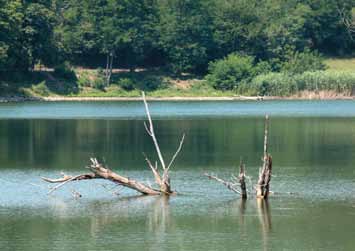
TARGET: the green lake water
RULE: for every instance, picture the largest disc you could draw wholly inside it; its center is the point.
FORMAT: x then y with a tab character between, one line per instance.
313	201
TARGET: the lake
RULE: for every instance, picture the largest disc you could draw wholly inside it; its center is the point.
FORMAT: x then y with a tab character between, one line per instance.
312	206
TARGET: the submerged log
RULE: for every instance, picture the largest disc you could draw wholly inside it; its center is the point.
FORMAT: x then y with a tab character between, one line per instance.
99	171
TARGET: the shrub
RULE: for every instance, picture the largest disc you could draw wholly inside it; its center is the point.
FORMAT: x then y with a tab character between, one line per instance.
227	73
65	71
153	83
271	84
84	79
41	89
126	84
300	62
99	83
150	83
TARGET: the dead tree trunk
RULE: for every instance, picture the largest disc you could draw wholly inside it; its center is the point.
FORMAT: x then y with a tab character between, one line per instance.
98	171
262	188
241	178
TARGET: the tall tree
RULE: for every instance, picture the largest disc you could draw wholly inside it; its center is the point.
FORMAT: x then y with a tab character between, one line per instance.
11	16
186	33
37	32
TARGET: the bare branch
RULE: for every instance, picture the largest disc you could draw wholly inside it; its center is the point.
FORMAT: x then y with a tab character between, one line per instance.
177	151
152	134
266	134
67	181
146	128
67	177
229	185
157	177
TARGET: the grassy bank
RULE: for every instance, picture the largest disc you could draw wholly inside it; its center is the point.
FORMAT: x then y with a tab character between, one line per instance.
87	83
336	82
340	64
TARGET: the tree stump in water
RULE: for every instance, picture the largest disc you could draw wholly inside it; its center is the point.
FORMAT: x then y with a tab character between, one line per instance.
263	186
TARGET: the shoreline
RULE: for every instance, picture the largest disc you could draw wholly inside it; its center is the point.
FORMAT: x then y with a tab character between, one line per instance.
17	99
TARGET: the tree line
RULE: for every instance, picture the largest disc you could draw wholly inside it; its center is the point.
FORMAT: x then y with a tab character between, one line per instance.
181	35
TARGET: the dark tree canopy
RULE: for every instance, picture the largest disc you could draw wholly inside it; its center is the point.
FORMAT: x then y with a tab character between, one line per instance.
184	35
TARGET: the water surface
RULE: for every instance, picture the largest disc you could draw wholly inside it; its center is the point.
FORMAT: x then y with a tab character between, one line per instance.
312	144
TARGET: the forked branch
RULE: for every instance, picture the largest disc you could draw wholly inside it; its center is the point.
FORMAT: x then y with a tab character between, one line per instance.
162	180
151	133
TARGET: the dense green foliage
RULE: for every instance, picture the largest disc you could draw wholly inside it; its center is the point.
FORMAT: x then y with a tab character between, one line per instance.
228	73
299	62
26	34
182	34
266	47
236	70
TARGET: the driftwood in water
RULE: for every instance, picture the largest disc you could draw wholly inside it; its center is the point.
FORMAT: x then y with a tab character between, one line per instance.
263	185
238	184
99	171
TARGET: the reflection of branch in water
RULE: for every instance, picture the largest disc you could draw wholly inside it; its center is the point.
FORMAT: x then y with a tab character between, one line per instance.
102	212
242	205
265	220
160	223
159	216
242	208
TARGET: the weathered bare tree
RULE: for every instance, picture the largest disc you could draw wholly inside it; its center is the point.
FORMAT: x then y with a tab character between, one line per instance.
100	171
346	17
263	186
238	184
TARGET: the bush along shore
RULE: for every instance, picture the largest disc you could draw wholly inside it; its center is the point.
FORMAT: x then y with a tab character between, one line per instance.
235	77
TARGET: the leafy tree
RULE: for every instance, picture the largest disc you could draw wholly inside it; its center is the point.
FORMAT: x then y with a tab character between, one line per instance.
11	17
300	62
185	34
237	26
325	27
37	32
26	33
228	73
